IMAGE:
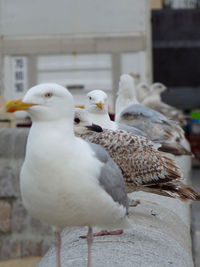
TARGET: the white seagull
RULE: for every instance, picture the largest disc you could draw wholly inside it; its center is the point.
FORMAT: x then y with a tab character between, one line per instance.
144	168
97	107
60	170
157	127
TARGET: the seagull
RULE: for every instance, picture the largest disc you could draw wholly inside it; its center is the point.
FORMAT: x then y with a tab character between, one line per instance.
156	126
60	170
143	91
153	100
154	93
143	167
97	107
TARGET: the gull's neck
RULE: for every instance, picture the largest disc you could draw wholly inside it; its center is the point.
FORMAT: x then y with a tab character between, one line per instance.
123	100
62	128
102	120
157	97
152	99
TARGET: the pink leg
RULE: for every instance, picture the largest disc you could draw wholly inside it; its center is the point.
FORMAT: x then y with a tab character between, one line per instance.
89	243
105	232
58	249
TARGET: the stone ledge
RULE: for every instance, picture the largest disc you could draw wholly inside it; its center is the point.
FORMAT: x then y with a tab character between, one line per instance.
13	142
153	241
5	209
25	262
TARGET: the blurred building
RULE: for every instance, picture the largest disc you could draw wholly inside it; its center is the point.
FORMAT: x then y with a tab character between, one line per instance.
176	52
181	3
82	45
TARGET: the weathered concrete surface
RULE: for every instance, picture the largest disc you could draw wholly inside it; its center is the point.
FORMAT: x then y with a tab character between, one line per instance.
25	262
196	218
160	236
20	234
155	240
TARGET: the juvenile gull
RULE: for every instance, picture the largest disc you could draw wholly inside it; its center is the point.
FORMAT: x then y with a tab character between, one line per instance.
143	91
60	170
144	168
153	100
157	127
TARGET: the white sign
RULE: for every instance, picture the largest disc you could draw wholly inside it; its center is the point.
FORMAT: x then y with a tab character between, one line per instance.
19	76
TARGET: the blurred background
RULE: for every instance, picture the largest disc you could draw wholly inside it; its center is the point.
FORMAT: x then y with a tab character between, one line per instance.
86	45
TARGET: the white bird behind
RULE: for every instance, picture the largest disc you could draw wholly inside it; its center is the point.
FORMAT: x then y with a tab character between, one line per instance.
97	107
125	95
143	91
154	101
157	127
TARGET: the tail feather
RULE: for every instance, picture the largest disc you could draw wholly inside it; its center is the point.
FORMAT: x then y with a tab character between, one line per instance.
171	167
175	190
175	149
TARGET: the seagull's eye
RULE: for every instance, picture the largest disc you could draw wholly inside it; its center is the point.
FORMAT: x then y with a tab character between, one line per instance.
77	120
48	95
90	97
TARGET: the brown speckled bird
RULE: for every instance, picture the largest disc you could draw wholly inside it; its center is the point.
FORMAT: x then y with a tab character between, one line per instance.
144	168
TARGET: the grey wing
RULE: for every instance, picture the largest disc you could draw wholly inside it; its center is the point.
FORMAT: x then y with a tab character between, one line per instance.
111	178
139	111
131	129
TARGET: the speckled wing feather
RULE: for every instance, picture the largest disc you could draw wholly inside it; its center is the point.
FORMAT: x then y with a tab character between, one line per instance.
139	162
169	111
157	128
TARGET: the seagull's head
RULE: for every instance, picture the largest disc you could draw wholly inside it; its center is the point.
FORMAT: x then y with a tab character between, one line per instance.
158	88
127	85
44	102
83	124
143	91
97	102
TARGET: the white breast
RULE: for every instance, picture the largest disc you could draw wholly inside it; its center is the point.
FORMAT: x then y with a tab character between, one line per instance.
64	192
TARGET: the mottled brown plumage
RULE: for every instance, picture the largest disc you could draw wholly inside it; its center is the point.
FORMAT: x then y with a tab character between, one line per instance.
144	168
140	163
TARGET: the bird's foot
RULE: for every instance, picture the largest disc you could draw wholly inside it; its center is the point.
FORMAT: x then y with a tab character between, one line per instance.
134	203
105	232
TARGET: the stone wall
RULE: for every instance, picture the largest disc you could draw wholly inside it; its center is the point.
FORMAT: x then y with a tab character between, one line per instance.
20	234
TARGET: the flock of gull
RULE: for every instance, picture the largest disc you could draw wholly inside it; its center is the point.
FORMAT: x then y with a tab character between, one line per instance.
80	165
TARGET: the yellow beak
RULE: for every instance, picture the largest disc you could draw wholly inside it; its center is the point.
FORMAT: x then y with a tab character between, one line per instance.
16	105
80	106
100	105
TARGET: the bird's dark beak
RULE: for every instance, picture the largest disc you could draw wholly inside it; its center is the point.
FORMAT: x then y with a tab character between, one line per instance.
94	128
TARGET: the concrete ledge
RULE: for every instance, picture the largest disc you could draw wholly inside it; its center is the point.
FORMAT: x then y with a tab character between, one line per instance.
158	238
25	262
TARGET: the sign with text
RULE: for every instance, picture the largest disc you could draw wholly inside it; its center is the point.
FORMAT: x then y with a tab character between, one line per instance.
19	75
